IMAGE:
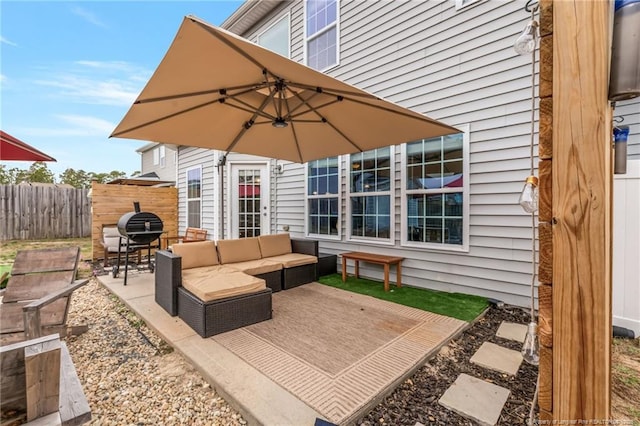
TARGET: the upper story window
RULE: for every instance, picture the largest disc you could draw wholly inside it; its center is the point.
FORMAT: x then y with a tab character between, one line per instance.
276	37
194	197
159	156
323	197
370	188
436	196
321	18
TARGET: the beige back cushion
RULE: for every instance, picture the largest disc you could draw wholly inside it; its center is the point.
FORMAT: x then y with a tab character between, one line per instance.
196	254
274	245
238	250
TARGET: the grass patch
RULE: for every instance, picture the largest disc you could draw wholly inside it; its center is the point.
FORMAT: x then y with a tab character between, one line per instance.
457	305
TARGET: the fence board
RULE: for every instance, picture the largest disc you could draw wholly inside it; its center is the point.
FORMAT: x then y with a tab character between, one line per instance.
42	211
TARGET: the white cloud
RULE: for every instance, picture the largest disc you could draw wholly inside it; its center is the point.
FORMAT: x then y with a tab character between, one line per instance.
114	83
6	41
73	125
3	78
88	16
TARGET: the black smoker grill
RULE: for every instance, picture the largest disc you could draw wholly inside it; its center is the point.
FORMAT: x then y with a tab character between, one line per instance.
140	230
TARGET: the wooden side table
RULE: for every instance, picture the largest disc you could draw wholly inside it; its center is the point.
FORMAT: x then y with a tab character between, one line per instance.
379	259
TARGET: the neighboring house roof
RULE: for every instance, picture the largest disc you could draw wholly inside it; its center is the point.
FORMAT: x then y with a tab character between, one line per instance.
151	145
147	179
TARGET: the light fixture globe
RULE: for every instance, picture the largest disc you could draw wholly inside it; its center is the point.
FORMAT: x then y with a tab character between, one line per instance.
526	42
279	123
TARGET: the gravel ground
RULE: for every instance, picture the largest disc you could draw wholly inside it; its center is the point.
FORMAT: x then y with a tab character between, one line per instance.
130	376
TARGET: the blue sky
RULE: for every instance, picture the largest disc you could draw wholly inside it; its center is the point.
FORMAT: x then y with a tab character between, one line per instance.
69	71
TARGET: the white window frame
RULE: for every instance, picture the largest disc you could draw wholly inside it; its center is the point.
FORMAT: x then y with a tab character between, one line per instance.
186	196
307	39
287	16
338	196
156	155
464	247
392	207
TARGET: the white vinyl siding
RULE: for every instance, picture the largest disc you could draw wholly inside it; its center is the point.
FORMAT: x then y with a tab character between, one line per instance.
457	66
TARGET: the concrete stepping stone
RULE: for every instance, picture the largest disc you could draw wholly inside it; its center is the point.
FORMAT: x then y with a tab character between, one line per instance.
475	399
497	358
512	331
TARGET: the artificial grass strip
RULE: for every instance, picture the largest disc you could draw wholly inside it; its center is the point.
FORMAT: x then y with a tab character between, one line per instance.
457	305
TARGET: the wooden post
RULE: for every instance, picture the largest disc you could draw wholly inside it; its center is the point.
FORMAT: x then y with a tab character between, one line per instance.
42	377
581	205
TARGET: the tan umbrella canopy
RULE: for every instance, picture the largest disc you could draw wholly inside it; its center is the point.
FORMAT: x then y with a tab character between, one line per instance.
216	90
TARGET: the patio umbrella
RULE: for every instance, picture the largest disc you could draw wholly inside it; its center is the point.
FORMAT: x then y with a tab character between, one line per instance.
14	149
216	90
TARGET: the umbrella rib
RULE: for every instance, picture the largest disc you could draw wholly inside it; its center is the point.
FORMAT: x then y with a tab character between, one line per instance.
248	88
335	92
157	120
355	145
313	95
250	122
318	107
293	131
250	110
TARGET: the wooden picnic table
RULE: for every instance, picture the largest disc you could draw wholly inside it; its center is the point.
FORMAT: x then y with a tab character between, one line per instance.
379	259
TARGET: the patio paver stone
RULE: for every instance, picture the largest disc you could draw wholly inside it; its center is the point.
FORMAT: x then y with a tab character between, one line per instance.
512	331
475	399
497	358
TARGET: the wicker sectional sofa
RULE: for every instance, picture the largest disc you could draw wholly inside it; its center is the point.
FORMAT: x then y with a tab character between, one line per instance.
219	287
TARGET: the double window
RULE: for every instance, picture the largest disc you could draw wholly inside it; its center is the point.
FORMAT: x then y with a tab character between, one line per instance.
370	185
194	197
323	197
321	18
435	197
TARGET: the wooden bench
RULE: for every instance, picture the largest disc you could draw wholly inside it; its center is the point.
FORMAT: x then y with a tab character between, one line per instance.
379	259
40	385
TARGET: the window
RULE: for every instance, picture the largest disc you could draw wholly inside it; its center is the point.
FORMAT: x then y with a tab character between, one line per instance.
464	3
435	203
321	18
159	156
276	37
323	199
194	197
370	184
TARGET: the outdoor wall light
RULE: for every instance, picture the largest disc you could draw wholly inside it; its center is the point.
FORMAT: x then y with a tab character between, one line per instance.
526	42
529	196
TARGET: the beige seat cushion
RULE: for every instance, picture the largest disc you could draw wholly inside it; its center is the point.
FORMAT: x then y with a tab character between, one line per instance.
111	239
255	267
293	259
196	254
274	245
208	286
204	271
239	250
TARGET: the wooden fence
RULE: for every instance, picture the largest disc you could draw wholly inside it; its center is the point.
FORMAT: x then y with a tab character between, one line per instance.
110	202
43	211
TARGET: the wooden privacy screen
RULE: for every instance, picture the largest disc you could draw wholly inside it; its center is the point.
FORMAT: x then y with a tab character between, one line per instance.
110	202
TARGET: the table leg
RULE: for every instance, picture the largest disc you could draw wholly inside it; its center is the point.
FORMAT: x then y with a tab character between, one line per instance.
344	269
357	268
399	273
386	277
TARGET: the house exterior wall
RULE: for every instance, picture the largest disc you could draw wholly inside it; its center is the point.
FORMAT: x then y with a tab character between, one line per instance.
457	66
166	172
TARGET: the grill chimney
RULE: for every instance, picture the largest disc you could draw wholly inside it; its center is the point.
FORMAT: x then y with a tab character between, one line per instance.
136	206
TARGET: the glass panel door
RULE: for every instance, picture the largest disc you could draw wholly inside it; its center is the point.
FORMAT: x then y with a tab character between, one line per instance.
249	200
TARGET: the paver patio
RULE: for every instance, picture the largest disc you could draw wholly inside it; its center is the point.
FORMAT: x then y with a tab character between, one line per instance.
253	367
